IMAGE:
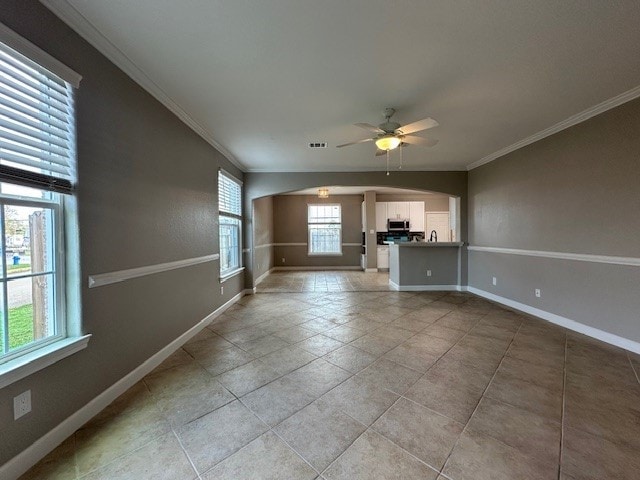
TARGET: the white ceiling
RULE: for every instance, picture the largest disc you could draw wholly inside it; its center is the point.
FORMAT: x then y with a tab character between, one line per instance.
263	79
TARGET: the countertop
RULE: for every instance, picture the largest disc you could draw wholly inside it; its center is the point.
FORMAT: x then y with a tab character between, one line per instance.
427	244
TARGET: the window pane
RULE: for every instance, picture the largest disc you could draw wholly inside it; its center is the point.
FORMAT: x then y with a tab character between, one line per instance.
324	238
29	239
4	332
31	309
324	214
229	243
325	225
21	191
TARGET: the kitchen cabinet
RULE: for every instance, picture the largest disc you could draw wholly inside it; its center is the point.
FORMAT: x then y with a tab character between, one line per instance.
381	216
383	257
398	210
412	211
416	216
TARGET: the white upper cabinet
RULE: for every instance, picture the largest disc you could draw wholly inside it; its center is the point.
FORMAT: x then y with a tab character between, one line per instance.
381	216
416	216
412	211
398	210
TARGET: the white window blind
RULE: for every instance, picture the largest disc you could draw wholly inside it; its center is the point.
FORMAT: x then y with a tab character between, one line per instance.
229	195
37	129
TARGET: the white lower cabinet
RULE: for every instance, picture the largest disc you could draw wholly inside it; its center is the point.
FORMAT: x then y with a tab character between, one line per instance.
383	256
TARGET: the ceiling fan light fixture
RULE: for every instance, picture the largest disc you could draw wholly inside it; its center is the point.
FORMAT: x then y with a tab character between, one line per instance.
388	142
323	193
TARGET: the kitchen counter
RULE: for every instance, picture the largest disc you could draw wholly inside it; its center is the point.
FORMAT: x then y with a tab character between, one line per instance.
428	244
423	266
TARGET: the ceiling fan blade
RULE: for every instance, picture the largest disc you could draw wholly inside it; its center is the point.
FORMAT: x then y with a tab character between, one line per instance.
355	143
368	126
423	142
418	126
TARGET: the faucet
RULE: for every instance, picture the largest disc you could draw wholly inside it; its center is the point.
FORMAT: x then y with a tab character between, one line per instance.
433	237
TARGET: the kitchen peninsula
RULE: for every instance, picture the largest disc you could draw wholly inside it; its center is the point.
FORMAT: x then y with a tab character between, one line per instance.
422	266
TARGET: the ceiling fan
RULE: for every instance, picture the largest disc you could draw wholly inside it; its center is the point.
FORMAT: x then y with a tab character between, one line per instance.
391	135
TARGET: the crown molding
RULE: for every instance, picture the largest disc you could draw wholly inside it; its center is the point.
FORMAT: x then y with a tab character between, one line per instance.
353	170
569	122
72	17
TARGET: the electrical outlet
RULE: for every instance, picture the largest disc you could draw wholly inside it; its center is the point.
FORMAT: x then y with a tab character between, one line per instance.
282	259
495	281
428	273
21	404
538	293
372	232
221	290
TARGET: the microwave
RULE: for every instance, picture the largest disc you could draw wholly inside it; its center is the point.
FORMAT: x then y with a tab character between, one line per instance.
397	225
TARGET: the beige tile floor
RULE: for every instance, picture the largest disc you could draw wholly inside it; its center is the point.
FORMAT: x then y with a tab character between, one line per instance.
334	384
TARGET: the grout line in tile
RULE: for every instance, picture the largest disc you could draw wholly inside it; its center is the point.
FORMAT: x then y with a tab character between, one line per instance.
633	367
480	400
193	465
402	396
129	452
294	450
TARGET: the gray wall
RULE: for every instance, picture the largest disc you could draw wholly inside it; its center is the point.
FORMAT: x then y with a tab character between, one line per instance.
147	194
409	265
290	226
263	235
451	183
577	191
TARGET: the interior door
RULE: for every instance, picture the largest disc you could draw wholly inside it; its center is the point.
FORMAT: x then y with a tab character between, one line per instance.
438	221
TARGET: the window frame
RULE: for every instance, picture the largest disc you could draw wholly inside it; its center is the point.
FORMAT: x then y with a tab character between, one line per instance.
236	269
69	338
309	224
58	272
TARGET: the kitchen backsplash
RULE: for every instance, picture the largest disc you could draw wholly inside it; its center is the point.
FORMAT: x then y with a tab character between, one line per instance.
399	237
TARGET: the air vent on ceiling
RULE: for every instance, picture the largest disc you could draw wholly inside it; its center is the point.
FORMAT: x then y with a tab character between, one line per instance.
318	145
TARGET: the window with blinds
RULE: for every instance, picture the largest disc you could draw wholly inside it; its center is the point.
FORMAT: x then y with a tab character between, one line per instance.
324	223
37	169
230	218
229	195
37	126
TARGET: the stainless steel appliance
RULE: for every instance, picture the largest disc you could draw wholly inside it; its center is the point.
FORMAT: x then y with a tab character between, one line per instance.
397	225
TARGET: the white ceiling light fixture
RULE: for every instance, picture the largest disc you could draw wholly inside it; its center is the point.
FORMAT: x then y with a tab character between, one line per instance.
388	142
323	193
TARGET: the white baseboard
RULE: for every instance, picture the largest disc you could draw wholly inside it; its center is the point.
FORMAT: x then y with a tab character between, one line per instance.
262	277
250	291
287	269
370	270
426	288
562	321
45	444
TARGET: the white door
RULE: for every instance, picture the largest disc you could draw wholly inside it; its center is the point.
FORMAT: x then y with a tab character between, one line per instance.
438	221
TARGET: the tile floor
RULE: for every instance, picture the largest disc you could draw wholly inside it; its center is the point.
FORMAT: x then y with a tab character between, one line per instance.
332	384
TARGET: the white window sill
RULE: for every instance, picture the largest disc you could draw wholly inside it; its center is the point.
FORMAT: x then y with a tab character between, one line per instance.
324	254
30	363
228	275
